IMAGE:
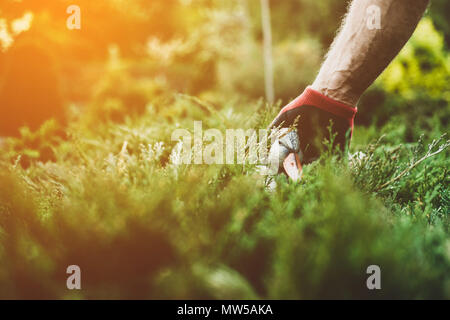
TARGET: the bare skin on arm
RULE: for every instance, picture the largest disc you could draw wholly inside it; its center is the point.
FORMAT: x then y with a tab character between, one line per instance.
359	54
372	34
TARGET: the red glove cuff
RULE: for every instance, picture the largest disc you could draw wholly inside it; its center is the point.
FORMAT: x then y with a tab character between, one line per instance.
314	98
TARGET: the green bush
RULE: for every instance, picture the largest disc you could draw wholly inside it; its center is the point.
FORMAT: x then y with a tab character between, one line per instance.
413	91
160	230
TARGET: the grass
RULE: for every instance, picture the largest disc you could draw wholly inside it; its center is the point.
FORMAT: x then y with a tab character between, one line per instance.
111	201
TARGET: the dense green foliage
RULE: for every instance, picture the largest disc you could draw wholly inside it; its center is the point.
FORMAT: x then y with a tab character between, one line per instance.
103	193
140	226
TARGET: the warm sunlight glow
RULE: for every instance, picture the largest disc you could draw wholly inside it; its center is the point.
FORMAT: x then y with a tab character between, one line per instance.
22	24
5	38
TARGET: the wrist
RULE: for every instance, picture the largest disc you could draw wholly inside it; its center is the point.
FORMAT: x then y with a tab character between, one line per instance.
337	88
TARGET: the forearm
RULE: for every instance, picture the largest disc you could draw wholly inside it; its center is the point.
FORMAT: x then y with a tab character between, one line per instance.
359	53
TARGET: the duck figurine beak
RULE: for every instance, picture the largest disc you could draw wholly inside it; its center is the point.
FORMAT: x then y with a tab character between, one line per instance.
285	155
292	166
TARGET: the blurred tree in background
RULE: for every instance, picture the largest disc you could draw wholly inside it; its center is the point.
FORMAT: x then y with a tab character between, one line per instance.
31	93
129	54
